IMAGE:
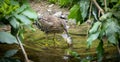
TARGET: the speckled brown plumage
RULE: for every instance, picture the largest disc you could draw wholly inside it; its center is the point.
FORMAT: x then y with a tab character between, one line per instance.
52	24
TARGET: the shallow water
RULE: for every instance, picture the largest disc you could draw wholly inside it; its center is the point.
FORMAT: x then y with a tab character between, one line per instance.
41	50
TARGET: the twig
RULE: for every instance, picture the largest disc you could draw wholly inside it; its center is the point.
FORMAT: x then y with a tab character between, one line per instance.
97	5
90	10
23	50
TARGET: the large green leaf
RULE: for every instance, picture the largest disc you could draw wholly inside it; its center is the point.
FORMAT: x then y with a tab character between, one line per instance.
73	11
29	13
100	51
112	30
84	5
22	8
75	14
6	37
10	53
92	37
14	23
112	39
23	19
117	14
95	27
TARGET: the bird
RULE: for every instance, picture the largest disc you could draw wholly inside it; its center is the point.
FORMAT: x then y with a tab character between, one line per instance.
51	24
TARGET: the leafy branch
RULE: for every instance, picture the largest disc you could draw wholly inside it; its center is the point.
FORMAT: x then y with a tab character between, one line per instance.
18	15
23	50
98	6
104	18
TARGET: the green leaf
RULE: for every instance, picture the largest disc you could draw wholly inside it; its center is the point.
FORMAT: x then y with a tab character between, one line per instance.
107	2
29	13
92	37
22	8
23	19
106	16
10	53
100	51
13	2
111	26
84	5
14	23
112	30
112	39
75	14
95	27
6	37
102	32
73	11
75	54
117	14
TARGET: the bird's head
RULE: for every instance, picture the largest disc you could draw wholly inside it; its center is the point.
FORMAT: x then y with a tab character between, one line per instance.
39	17
37	23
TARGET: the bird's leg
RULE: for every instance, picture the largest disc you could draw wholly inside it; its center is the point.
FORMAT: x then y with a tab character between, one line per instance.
46	37
68	39
54	39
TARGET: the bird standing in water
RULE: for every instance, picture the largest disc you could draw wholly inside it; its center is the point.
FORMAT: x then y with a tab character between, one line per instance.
52	24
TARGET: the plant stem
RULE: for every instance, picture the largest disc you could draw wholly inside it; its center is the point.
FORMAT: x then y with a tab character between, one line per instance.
90	10
23	50
99	13
97	5
118	49
54	39
105	5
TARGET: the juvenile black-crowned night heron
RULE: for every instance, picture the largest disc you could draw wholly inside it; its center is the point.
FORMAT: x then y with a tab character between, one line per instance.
52	24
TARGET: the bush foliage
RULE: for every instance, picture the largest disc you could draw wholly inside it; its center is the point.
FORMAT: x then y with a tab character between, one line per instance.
103	16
